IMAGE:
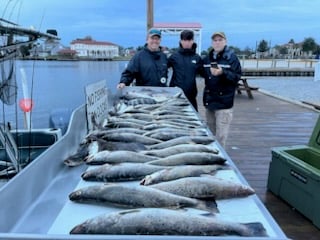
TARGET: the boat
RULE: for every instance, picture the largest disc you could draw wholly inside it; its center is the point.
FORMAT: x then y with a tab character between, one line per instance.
48	182
19	147
35	202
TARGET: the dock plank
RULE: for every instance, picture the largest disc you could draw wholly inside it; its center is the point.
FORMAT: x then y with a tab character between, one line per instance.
259	125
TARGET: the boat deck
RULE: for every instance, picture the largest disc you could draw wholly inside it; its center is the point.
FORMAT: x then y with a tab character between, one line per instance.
258	125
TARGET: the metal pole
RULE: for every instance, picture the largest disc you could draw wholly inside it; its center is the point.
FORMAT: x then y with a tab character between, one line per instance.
149	14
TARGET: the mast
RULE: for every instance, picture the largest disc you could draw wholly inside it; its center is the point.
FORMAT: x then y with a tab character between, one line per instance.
149	14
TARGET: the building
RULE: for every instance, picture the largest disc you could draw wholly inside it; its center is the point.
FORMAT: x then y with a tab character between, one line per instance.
89	48
48	49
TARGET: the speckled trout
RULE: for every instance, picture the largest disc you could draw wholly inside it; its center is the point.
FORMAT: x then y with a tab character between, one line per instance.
181	148
177	172
205	188
106	156
120	172
150	221
189	158
136	197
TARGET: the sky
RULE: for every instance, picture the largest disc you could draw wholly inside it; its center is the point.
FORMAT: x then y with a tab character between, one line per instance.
124	22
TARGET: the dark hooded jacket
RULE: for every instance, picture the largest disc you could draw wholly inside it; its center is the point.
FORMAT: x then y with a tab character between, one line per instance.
186	64
220	90
147	67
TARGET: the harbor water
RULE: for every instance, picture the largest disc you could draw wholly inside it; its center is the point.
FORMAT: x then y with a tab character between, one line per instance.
55	85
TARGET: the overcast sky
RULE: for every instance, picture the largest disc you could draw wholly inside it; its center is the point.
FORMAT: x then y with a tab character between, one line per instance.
123	22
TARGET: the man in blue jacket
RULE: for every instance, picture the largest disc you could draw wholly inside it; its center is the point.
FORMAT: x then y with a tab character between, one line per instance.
148	66
223	71
186	64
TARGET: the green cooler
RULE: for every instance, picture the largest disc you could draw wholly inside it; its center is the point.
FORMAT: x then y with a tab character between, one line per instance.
294	175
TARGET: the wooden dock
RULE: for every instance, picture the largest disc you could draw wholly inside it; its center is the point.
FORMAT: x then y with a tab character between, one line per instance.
258	125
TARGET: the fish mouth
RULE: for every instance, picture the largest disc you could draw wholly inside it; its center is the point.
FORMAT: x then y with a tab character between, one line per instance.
78	229
75	196
87	176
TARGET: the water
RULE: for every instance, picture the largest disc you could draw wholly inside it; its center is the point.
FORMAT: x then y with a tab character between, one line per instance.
295	88
58	85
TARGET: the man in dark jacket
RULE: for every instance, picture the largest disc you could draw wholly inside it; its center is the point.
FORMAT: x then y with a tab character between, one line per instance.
186	64
223	71
148	66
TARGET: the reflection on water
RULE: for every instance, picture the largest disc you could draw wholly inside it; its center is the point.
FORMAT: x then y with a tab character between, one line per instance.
59	85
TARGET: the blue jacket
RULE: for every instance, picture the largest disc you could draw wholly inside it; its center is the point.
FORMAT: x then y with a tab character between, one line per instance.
220	90
148	68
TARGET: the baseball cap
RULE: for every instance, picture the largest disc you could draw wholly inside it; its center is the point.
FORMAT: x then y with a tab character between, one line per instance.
154	32
221	34
186	35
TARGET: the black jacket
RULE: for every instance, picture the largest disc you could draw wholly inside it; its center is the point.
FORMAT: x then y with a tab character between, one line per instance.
186	64
219	91
148	68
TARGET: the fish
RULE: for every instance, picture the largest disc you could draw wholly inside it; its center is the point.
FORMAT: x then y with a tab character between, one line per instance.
172	123
169	133
182	112
149	221
142	100
116	146
177	172
114	121
205	188
182	140
189	158
159	125
123	146
122	124
102	134
147	117
120	172
106	156
131	137
137	196
189	118
84	150
181	148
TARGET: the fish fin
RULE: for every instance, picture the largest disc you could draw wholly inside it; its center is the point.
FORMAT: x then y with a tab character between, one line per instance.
256	229
129	211
210	206
208	214
142	182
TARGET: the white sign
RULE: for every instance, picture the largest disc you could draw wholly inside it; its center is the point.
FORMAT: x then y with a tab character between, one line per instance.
96	103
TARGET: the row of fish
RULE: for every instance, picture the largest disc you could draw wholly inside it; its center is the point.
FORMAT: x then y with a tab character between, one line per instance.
156	140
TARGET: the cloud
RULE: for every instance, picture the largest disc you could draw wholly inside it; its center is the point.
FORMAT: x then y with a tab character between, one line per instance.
124	21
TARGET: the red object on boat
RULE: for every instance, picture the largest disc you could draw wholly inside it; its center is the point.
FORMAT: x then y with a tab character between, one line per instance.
26	104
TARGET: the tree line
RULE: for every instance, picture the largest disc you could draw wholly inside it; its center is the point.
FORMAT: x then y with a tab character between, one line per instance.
308	45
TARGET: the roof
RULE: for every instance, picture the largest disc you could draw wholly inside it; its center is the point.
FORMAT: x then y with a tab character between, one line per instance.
92	42
67	51
177	25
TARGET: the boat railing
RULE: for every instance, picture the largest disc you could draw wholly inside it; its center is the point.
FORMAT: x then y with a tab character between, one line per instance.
9	145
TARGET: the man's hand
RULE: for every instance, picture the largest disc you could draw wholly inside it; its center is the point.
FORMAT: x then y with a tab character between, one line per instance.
216	71
121	85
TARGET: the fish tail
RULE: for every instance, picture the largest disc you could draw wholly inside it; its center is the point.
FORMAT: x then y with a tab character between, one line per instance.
256	229
210	206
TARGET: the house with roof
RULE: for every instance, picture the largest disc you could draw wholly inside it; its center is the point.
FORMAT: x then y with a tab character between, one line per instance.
91	49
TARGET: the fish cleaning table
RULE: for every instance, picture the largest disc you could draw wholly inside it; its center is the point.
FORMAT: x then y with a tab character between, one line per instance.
35	204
